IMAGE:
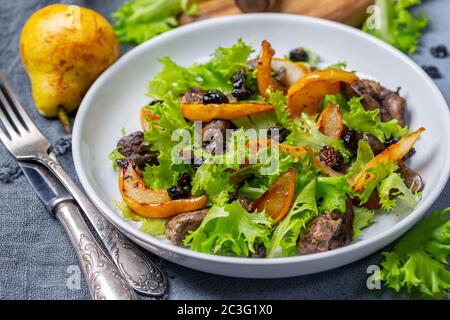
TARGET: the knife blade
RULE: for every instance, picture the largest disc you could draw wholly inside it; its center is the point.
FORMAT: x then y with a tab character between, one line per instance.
103	278
48	188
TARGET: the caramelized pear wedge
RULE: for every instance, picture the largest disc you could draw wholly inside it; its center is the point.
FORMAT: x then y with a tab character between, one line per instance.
307	93
295	151
292	71
395	152
325	169
277	200
264	69
151	203
330	122
224	111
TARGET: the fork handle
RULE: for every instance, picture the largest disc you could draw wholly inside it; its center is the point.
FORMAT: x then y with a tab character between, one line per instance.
102	277
141	273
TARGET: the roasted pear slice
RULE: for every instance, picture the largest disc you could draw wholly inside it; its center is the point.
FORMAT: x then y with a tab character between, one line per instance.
150	203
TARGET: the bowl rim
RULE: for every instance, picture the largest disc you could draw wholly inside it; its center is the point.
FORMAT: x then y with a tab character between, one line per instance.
394	232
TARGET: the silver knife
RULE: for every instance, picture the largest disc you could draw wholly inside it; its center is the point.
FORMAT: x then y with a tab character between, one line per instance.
103	279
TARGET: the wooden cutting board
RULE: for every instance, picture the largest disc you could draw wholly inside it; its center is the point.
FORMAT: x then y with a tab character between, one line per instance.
350	12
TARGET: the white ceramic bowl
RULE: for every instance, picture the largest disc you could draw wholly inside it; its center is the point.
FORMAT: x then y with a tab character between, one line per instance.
114	101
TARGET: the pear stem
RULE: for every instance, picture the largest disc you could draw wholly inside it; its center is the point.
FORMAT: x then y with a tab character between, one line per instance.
64	119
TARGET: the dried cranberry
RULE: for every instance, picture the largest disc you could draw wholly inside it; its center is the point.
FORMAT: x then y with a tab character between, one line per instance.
282	133
298	54
176	192
439	51
260	251
214	96
183	187
240	90
351	138
184	180
432	71
331	158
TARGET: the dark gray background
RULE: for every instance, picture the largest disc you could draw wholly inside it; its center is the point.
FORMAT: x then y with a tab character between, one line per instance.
35	256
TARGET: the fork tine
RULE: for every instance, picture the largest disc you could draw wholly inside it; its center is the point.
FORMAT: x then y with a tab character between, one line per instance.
9	116
10	130
29	125
5	139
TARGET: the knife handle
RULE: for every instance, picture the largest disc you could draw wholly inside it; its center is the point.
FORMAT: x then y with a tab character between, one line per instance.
103	279
141	273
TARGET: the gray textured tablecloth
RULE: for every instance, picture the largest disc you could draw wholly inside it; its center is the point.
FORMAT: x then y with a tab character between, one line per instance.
36	260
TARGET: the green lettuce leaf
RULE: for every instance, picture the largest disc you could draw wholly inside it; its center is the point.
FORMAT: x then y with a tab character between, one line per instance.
305	133
214	180
362	219
251	192
363	156
367	121
335	99
140	20
313	58
332	193
397	25
303	210
339	65
164	174
230	230
382	171
393	188
153	227
419	262
278	100
215	74
115	155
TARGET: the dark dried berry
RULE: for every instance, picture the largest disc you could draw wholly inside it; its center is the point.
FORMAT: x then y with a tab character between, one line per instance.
298	54
339	162
241	94
233	196
184	180
351	138
153	102
214	96
183	187
260	251
439	51
281	131
331	158
239	79
175	192
432	71
240	90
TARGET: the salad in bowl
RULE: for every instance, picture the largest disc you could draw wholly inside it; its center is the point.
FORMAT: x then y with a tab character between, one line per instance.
265	156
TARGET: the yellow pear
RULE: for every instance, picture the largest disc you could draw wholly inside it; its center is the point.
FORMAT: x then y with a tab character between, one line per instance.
64	49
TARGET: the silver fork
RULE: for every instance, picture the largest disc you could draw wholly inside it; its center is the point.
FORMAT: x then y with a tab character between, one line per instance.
26	143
